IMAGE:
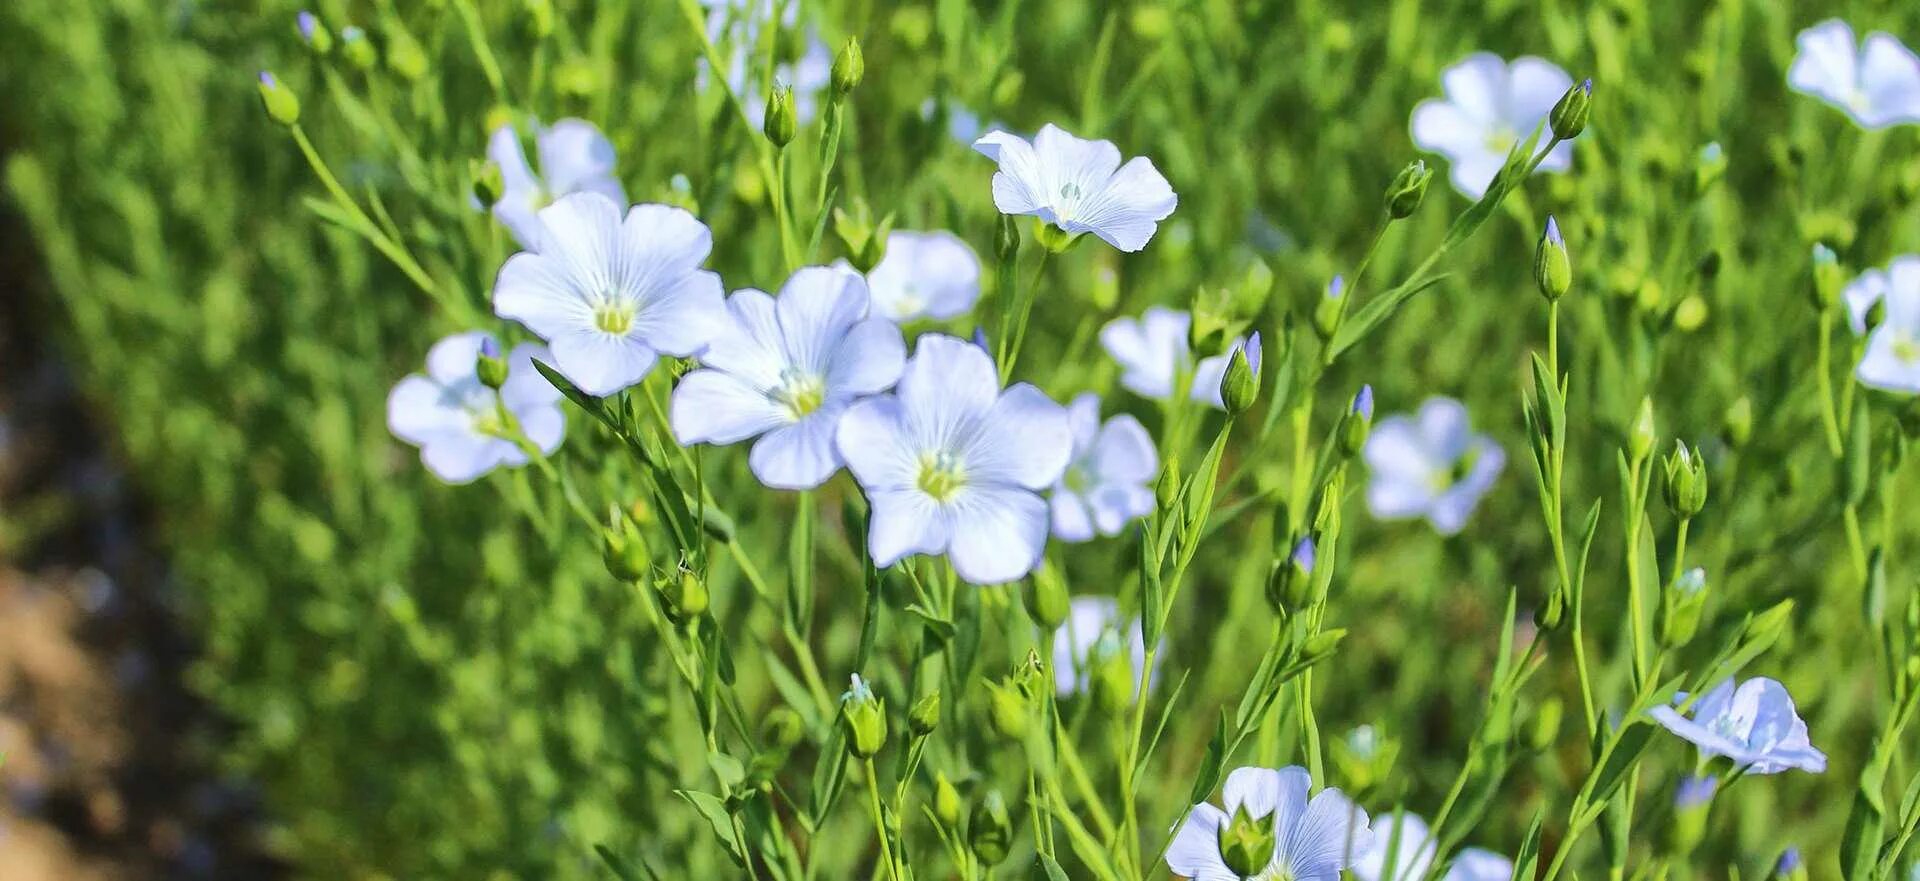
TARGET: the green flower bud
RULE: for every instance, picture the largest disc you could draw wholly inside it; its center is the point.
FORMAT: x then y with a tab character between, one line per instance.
1552	613
489	367
575	78
1828	278
849	65
1357	423
1570	115
282	105
1030	674
685	595
1686	489
990	832
404	55
1552	268
1047	599
716	524
1680	607
1246	844
488	183
1736	425
947	804
925	714
1409	187
782	729
1641	438
1112	675
1692	802
1690	314
1767	626
357	48
625	554
1053	238
539	17
1708	168
1290	584
1544	730
781	120
1329	310
1321	645
865	719
314	33
1008	710
1240	385
1166	490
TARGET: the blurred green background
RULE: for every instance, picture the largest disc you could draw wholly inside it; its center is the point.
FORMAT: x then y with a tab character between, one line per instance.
426	687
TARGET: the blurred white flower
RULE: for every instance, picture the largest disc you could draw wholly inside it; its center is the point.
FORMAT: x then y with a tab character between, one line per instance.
611	294
457	422
784	369
736	26
1754	724
1490	106
925	275
1152	350
951	464
1106	484
1078	185
1430	465
1313	839
1878	83
1892	359
1413	849
1093	622
574	158
1872	286
963	125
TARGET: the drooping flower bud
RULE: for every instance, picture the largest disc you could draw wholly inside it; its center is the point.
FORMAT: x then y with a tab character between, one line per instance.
1552	269
864	717
281	104
1680	607
1358	423
489	366
1240	385
990	831
1569	117
1686	489
781	119
849	66
313	32
925	714
625	554
1246	844
1327	313
1409	187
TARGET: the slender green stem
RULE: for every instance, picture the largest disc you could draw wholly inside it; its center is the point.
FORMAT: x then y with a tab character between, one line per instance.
879	823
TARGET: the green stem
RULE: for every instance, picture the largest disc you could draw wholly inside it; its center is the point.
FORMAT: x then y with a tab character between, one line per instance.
879	824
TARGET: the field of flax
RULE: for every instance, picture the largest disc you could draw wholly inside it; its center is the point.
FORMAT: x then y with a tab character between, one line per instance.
788	440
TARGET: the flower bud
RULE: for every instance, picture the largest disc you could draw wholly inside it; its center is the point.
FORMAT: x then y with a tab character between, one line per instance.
782	729
539	17
404	55
1736	425
1544	730
1680	607
488	183
1828	278
1708	168
1113	682
1166	490
1327	313
1008	710
357	48
1641	438
1322	644
313	32
1239	386
1552	269
685	595
781	120
947	804
282	105
1047	599
489	366
1790	867
625	555
1246	844
1549	616
1407	189
849	65
1570	115
990	832
1686	489
1358	423
924	716
1692	800
864	718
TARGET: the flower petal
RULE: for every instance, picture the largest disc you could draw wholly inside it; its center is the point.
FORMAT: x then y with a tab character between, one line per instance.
998	533
1124	453
575	156
713	407
1882	367
1018	185
535	290
1264	791
1129	208
1478	86
748	344
1826	66
905	521
1534	85
600	364
872	439
868	360
1195	850
1476	864
800	455
1328	835
419	410
1442	127
461	459
1024	440
947	386
1890	78
452	359
525	388
1072	521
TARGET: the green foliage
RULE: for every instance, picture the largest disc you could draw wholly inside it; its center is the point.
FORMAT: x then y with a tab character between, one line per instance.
437	681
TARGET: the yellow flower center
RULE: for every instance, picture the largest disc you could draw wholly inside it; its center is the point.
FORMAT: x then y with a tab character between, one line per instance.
801	393
613	317
941	476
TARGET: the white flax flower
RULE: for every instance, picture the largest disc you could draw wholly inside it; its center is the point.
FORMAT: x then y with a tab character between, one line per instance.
1078	185
461	426
1490	106
610	295
1152	350
1753	723
925	275
1414	850
1892	358
1308	839
952	465
1107	483
1430	465
574	158
1877	83
784	369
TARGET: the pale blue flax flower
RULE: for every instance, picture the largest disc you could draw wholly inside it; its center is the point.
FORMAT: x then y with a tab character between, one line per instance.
460	425
1877	83
1430	465
1414	849
1078	185
1093	627
784	369
1312	839
610	295
1490	106
1871	287
574	158
925	275
953	465
1107	483
1152	350
1753	724
1892	358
